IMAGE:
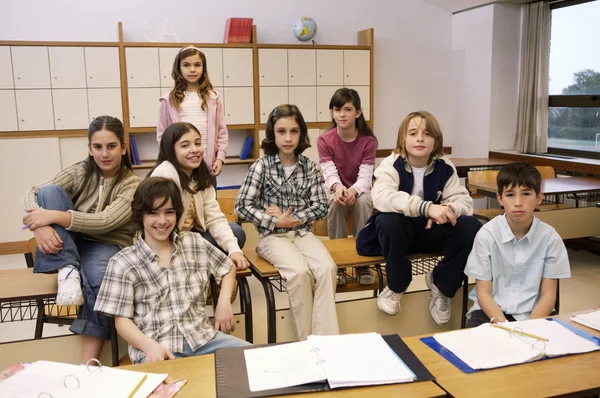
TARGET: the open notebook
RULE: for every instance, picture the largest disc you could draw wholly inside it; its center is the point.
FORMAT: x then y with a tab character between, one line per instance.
487	347
590	319
335	359
61	380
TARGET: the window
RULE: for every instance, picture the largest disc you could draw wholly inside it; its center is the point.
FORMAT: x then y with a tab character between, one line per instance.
574	86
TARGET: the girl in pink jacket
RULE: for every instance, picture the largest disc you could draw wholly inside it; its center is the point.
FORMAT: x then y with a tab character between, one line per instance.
193	100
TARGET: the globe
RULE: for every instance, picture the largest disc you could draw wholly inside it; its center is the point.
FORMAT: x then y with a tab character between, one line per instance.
305	29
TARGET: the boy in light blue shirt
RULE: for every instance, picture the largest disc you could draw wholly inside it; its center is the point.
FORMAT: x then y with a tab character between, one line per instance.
516	258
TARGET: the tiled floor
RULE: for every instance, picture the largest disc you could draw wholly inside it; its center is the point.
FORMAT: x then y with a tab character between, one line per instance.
581	292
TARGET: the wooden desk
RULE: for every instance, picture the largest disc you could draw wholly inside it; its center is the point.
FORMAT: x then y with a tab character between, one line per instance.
464	165
573	375
550	186
23	284
200	374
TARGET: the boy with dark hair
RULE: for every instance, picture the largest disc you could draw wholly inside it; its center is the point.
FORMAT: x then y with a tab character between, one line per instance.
156	289
516	258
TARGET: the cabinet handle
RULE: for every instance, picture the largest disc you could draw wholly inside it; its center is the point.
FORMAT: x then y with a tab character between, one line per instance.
55	77
229	114
320	76
58	119
18	77
22	120
347	75
263	76
227	76
133	117
91	77
131	77
292	76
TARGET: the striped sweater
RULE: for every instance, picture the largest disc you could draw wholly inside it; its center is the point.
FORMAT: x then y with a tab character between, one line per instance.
111	224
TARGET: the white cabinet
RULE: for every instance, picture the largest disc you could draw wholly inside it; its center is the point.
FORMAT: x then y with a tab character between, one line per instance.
272	67
330	68
6	70
102	67
67	67
35	110
302	67
30	67
142	67
214	63
70	109
312	153
364	92
324	94
239	105
105	101
357	68
143	106
166	57
8	111
270	97
237	67
305	98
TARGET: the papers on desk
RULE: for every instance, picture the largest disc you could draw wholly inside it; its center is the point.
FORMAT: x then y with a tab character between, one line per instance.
346	360
57	380
487	347
591	319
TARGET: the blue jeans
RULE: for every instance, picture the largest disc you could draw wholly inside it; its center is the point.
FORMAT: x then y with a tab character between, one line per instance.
88	256
237	230
221	340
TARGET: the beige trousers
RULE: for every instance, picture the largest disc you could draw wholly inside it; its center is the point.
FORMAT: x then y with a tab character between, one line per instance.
336	216
310	275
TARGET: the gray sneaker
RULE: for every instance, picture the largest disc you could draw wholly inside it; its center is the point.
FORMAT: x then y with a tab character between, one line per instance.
439	305
388	301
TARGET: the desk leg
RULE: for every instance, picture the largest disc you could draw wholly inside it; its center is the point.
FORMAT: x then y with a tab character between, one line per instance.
39	323
380	276
465	299
246	307
270	297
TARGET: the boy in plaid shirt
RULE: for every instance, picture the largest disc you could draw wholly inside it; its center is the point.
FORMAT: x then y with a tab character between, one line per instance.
282	195
156	289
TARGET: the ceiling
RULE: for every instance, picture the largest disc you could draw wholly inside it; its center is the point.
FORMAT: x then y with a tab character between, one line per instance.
461	5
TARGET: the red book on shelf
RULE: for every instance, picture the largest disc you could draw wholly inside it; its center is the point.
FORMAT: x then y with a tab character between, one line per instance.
227	34
237	30
248	31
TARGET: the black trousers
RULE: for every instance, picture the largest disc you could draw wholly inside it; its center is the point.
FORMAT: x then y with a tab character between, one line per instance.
400	235
478	317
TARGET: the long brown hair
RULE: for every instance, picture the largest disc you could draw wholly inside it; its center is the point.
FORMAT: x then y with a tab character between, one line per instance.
431	125
340	98
177	95
91	180
200	175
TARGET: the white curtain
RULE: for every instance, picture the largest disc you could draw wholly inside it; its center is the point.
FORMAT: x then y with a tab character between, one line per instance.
532	106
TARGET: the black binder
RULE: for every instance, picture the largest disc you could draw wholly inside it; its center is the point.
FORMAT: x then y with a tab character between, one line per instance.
232	376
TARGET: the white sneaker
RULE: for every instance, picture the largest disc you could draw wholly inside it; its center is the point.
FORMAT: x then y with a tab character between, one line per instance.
388	301
69	287
439	305
365	277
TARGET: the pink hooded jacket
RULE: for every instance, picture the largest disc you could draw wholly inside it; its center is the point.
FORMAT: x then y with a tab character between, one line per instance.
218	136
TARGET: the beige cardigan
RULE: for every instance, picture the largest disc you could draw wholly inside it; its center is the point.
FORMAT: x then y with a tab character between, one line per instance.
208	212
111	224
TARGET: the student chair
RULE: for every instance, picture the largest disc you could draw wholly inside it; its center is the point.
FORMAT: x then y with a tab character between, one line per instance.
63	315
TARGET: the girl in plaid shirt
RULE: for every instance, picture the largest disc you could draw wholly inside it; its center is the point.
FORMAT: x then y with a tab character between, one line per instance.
282	195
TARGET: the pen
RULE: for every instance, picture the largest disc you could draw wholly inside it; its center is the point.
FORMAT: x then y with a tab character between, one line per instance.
533	336
25	227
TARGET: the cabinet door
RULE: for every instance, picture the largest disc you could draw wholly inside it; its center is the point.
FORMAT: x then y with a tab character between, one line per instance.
272	67
357	67
238	67
166	56
6	70
8	111
330	68
35	110
105	101
312	153
143	106
239	105
67	67
70	109
324	94
30	67
102	67
364	92
305	98
302	67
142	67
270	97
214	63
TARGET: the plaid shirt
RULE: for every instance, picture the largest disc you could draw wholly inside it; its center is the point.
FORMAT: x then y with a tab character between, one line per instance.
266	185
166	304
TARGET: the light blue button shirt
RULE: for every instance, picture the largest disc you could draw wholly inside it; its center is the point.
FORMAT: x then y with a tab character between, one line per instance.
516	268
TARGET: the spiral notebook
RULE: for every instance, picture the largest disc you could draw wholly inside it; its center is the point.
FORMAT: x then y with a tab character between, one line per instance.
488	347
60	380
300	367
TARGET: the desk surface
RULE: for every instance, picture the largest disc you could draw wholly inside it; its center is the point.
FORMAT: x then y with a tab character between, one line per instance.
479	162
558	376
552	186
200	374
23	284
